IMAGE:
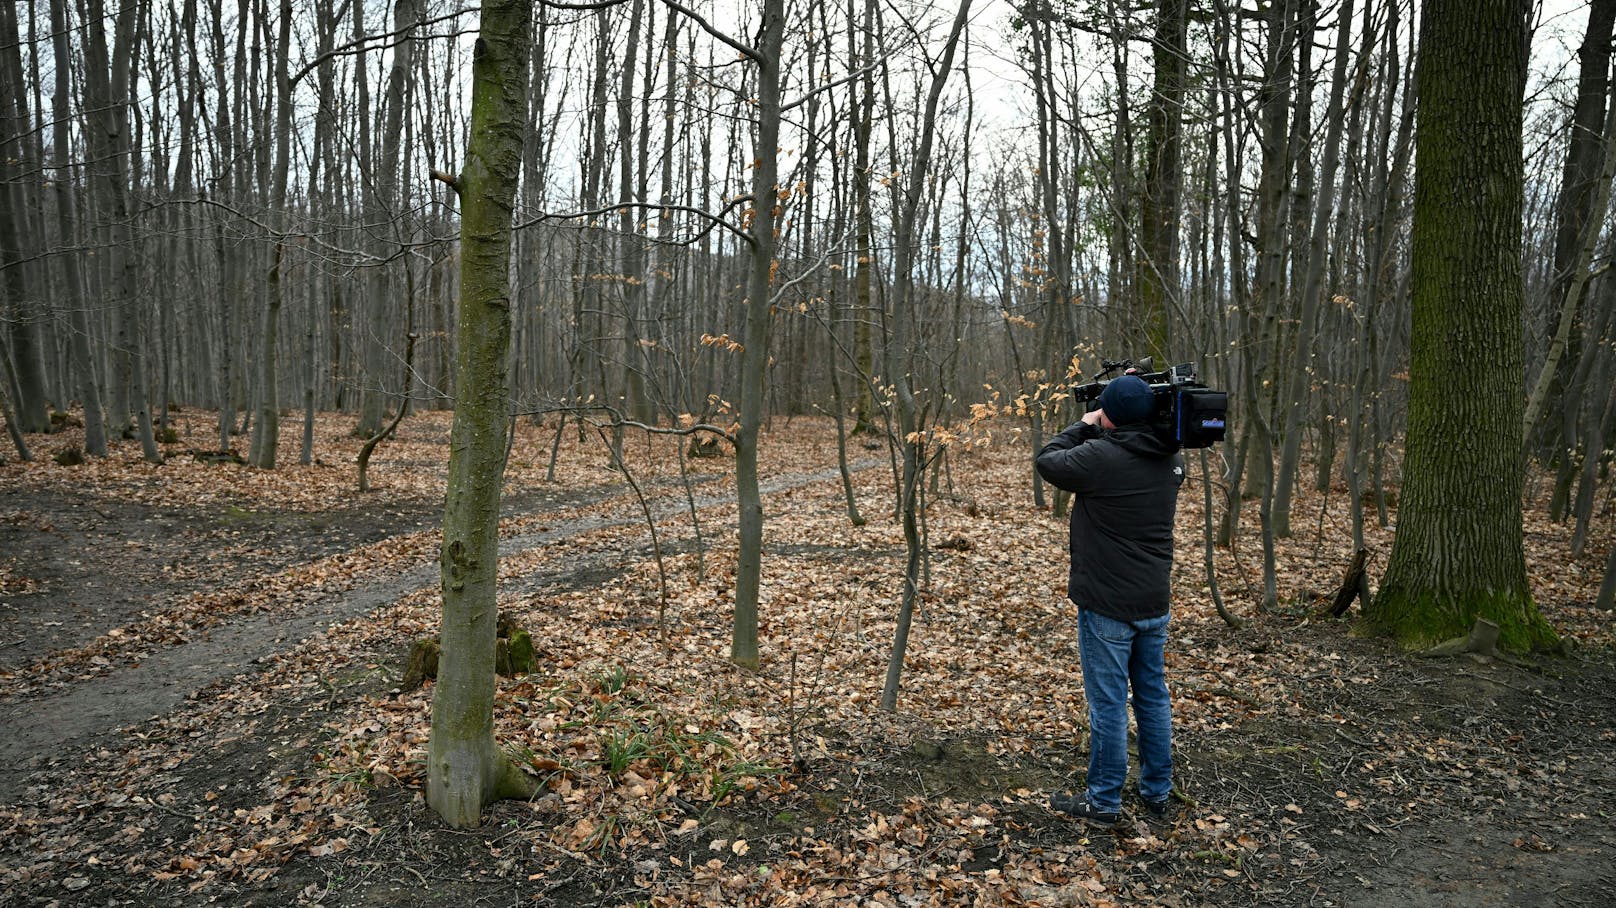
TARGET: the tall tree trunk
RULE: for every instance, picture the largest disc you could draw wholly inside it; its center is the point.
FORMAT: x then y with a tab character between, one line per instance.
384	218
1156	280
8	377
631	252
18	169
864	311
1459	553
1604	419
755	334
1051	300
69	264
465	769
223	148
1575	211
106	99
1119	244
267	431
321	162
1566	318
1233	215
1261	321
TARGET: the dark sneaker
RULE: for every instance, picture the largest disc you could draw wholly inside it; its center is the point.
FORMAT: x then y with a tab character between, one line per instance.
1160	812
1078	806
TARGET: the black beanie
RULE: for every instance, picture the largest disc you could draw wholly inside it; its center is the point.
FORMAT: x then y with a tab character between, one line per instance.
1127	400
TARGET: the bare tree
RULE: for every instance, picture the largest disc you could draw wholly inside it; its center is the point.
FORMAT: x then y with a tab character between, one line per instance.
905	319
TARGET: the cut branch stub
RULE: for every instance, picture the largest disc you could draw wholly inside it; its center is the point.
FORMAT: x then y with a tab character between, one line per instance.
460	565
1482	640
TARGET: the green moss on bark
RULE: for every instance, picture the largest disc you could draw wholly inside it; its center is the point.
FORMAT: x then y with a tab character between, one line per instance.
465	770
1420	621
1458	555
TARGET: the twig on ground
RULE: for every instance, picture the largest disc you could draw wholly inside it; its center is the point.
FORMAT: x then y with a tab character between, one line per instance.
1350	739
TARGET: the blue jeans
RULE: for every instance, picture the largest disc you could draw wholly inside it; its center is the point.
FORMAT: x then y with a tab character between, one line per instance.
1116	654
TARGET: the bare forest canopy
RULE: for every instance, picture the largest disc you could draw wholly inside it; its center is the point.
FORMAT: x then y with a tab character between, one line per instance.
230	205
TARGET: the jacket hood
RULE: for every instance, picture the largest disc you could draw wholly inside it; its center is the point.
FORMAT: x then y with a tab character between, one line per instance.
1143	440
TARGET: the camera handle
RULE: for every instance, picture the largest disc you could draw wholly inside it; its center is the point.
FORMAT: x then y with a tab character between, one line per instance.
1128	367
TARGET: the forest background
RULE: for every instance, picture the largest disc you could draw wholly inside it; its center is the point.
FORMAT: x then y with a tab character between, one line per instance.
252	210
230	207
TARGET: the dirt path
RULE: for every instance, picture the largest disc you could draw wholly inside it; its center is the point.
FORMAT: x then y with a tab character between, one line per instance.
94	562
42	731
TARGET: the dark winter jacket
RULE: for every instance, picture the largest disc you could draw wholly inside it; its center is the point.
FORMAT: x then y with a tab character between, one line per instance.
1125	493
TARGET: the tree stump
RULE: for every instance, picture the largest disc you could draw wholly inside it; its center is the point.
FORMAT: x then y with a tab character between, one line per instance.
1355	585
513	651
502	657
514	654
423	663
519	649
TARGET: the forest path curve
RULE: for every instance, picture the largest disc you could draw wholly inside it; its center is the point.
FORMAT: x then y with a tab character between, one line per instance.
36	731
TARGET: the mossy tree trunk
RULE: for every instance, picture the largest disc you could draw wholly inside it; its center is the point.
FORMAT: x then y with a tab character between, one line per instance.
465	770
1459	554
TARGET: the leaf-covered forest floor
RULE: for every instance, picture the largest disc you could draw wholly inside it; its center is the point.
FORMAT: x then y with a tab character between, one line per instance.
200	703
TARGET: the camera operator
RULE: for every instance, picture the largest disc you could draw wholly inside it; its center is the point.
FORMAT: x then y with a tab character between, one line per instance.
1124	480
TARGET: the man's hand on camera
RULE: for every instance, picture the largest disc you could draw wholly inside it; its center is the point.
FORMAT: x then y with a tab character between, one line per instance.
1092	417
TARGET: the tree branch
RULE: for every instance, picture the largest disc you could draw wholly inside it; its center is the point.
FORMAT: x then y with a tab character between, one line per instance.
356	45
792	105
619	420
713	220
744	50
447	178
834	248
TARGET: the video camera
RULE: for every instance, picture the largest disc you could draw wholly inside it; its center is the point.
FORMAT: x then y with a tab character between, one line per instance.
1187	414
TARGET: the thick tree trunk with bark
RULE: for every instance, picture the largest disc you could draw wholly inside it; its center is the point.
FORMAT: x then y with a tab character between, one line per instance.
1459	554
68	265
267	431
1156	281
18	242
465	769
20	235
